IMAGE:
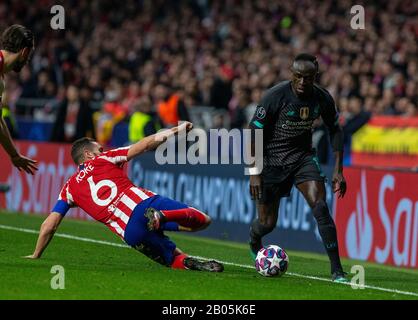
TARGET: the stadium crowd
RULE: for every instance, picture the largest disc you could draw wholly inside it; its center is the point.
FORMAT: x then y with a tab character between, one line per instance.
158	59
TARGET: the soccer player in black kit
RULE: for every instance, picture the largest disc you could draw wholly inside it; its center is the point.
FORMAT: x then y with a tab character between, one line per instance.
286	114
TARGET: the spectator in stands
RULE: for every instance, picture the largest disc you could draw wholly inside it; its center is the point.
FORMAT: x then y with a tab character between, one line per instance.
27	83
411	110
111	113
170	106
202	47
74	118
237	107
221	90
355	119
144	121
133	92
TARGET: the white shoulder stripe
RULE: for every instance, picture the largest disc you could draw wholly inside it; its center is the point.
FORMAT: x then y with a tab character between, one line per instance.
122	148
70	199
115	160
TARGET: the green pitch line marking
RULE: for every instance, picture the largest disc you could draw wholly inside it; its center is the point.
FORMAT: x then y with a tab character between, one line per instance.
69	236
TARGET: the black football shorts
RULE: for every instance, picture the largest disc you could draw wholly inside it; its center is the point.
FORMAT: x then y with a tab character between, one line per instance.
278	181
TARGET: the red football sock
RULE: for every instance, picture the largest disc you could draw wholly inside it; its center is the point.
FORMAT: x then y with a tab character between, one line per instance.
187	217
178	261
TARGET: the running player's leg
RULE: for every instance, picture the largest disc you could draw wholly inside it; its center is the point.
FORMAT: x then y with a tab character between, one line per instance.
173	215
276	183
314	193
268	210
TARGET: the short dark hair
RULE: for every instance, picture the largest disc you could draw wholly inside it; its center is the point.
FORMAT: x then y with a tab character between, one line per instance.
78	148
307	57
16	38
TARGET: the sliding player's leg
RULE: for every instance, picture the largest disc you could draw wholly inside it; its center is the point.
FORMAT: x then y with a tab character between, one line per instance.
161	249
157	246
172	215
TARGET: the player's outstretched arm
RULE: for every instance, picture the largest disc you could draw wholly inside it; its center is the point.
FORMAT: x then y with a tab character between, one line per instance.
151	142
48	228
19	161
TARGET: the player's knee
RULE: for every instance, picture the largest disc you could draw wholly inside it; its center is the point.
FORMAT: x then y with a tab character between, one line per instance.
208	220
320	204
205	222
267	226
320	211
200	220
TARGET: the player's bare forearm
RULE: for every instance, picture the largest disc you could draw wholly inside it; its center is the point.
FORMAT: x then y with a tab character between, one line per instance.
255	177
6	139
46	233
152	142
19	161
338	162
338	181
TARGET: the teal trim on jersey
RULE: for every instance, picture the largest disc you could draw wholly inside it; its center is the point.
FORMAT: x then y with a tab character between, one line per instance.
315	159
258	124
316	111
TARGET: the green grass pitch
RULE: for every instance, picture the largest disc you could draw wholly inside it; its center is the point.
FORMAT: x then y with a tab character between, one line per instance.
103	271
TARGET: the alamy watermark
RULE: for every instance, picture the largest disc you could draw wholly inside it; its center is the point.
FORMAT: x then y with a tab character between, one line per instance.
58	20
58	280
218	146
358	280
358	18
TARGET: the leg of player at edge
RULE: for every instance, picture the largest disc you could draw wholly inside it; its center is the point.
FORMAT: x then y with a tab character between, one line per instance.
314	193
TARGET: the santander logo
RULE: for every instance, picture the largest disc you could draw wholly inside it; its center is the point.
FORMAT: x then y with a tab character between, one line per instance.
377	220
359	233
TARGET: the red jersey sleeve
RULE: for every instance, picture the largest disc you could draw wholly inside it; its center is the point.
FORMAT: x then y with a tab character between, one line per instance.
65	201
65	195
116	156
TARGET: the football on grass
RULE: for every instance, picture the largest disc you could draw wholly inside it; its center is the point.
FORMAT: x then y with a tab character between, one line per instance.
271	261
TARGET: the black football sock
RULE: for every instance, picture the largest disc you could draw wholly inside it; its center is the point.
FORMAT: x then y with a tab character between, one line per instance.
328	233
258	230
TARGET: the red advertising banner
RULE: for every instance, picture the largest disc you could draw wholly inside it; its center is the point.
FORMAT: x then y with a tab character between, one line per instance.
37	193
377	220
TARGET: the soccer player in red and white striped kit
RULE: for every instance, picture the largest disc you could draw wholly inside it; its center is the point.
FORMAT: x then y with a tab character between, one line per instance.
138	216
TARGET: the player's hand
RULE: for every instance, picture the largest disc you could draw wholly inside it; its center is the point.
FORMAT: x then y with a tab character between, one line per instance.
255	187
24	163
186	126
339	184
